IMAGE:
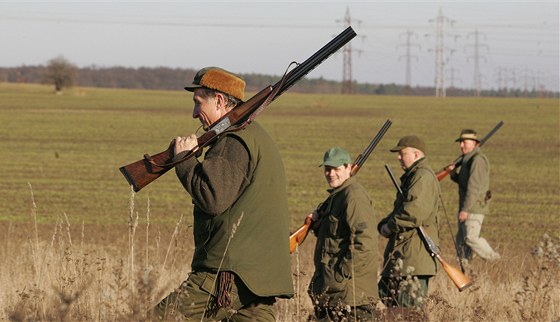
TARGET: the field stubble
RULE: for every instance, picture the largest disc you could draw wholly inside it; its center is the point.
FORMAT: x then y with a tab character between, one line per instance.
72	251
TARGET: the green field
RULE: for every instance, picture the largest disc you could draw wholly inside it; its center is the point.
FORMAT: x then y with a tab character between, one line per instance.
66	150
68	232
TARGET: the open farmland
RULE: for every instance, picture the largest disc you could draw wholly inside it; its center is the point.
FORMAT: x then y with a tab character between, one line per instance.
75	240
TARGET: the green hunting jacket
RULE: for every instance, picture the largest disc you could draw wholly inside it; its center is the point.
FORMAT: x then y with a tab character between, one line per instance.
239	196
346	250
419	207
473	179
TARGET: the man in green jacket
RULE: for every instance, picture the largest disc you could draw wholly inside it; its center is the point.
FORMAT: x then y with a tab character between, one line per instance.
241	261
473	180
408	265
344	283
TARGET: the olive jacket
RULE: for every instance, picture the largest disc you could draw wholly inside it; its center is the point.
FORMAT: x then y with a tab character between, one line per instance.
241	211
473	179
346	250
418	208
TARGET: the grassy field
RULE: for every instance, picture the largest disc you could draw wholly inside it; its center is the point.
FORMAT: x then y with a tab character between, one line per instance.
70	222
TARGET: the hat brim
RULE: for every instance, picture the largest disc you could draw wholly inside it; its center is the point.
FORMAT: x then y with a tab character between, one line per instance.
397	148
192	87
334	164
463	139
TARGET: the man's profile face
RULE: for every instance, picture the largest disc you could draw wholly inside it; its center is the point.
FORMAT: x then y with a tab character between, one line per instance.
207	109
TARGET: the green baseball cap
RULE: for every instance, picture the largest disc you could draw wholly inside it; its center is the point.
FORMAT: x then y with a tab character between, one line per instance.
410	141
335	157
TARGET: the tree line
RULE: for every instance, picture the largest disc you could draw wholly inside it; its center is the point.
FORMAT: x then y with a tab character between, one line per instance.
62	74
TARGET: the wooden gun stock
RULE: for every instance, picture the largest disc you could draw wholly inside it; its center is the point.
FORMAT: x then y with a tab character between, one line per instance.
460	280
299	235
140	173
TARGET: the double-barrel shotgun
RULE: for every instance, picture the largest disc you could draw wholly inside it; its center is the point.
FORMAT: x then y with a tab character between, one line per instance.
142	172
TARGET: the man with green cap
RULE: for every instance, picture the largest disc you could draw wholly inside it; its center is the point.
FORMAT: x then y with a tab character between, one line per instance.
241	260
408	265
473	180
344	284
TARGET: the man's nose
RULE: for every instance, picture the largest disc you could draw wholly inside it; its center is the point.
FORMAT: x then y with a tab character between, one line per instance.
195	112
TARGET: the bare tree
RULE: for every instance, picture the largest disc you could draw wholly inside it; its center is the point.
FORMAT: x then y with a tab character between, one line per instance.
61	73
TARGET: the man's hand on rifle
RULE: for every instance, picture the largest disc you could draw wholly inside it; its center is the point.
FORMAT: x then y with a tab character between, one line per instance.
185	143
450	167
463	215
385	231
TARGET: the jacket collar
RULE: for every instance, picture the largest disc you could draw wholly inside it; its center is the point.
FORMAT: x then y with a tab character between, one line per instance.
471	154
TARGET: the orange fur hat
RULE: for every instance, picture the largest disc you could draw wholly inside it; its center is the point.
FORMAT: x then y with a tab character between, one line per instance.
220	80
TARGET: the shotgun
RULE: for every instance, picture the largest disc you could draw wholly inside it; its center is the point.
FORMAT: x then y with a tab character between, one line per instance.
460	280
297	237
142	172
444	172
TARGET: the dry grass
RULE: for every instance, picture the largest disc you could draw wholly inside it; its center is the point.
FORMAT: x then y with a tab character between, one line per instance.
49	274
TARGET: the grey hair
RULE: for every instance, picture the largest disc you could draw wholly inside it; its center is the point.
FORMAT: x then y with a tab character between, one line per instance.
231	101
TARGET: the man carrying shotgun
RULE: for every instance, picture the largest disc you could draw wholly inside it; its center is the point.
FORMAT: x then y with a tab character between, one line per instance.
473	180
344	283
405	254
241	261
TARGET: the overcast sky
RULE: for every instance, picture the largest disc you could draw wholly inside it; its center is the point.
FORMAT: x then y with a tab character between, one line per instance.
518	41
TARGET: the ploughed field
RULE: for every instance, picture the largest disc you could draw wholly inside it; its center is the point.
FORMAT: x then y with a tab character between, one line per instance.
78	244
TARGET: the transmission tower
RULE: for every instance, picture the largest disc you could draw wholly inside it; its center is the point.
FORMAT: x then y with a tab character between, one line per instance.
477	76
408	56
347	82
439	50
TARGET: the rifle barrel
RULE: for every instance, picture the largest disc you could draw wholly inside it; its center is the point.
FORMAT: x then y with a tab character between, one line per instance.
310	63
361	159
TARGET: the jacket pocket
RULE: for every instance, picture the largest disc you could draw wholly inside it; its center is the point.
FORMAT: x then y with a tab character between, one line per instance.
334	280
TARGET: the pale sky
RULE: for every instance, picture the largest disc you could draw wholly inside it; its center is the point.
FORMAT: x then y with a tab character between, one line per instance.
518	41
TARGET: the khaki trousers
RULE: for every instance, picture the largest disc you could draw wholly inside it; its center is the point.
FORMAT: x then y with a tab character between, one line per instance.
469	240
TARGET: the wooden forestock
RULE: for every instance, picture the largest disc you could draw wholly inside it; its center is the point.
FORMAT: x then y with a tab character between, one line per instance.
144	171
299	235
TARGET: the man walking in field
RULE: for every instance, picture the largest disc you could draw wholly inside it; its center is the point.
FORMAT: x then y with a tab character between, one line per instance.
241	261
408	266
344	282
473	179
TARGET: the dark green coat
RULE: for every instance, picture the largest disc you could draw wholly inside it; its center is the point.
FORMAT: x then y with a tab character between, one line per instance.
258	251
346	249
419	207
473	179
